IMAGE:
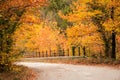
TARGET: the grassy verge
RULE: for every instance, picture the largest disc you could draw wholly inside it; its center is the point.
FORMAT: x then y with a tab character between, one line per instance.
79	61
18	73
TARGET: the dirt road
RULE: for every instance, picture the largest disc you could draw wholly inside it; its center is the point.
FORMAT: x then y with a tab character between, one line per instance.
50	71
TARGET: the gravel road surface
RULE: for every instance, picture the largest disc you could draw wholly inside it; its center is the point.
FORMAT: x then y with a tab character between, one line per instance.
51	71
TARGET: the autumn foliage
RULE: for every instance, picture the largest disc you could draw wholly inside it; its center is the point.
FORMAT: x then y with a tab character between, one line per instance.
11	13
91	29
103	17
85	27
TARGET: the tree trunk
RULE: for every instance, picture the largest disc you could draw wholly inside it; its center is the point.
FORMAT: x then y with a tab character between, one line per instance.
73	50
84	51
78	51
113	54
107	49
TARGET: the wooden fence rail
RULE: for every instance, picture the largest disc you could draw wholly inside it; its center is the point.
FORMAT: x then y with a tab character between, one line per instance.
52	53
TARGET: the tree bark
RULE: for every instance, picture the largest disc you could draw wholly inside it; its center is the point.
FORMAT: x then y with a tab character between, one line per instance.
113	53
84	51
73	50
78	51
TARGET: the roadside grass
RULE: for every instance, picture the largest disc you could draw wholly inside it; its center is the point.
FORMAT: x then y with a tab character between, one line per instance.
79	61
18	73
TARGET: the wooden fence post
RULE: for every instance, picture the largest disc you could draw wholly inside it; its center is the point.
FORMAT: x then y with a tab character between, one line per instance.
68	52
73	50
42	53
54	53
50	53
39	54
36	54
63	52
46	54
78	51
84	51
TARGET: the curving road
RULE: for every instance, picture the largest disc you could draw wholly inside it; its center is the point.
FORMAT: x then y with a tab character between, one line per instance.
50	71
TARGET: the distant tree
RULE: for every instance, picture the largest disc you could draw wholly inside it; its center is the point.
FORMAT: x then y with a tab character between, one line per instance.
50	12
104	14
107	20
37	37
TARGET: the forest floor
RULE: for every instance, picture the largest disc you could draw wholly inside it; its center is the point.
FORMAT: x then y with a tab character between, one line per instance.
53	71
19	73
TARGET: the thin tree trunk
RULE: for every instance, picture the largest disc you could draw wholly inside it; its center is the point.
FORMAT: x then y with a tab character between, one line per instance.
113	53
84	51
107	49
73	51
78	51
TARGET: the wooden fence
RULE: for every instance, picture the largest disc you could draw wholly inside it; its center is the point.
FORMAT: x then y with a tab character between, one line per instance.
53	53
